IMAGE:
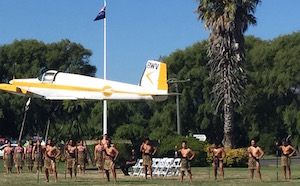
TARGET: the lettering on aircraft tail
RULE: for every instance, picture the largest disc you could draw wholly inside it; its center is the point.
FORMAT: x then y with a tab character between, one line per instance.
152	65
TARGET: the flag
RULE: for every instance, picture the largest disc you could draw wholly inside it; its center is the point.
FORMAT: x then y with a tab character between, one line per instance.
101	14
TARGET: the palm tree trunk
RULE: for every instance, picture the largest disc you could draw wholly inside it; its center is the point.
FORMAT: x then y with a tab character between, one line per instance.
228	125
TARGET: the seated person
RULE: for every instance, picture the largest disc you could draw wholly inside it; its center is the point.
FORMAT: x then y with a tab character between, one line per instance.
129	163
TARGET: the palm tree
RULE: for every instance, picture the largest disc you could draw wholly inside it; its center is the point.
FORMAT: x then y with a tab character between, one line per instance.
227	21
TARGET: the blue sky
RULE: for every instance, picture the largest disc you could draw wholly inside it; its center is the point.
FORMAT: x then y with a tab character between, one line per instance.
137	30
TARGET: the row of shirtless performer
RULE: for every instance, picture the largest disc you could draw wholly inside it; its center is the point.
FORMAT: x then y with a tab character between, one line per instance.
255	154
37	155
105	154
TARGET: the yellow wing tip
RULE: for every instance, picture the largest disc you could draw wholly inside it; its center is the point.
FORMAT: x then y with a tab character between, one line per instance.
7	87
12	88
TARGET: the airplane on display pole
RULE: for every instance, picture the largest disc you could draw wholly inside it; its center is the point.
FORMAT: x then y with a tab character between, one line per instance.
54	85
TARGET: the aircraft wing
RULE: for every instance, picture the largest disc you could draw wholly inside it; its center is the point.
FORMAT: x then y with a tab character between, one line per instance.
12	89
19	91
32	93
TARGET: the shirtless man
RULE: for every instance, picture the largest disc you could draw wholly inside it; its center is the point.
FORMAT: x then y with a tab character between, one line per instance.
71	155
8	157
99	155
51	153
255	153
147	152
187	155
111	154
218	156
287	152
47	161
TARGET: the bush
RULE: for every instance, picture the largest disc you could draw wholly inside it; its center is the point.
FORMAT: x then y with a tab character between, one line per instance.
167	148
234	157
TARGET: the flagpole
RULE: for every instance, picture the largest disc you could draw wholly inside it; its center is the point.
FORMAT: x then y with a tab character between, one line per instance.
104	67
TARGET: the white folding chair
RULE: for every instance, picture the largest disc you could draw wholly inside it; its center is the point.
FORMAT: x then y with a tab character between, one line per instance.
167	169
160	165
176	166
137	168
155	166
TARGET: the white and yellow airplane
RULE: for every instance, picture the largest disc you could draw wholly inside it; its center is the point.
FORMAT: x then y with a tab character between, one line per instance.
54	85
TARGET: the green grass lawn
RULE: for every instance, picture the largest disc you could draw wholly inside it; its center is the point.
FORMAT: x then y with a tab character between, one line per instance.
201	176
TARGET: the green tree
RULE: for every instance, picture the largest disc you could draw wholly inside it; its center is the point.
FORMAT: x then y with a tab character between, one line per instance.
227	20
272	102
130	131
27	59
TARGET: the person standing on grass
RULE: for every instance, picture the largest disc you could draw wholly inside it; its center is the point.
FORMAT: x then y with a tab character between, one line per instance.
82	157
47	161
187	155
19	157
8	157
99	155
71	155
51	153
218	157
37	156
28	156
147	152
255	153
111	154
287	152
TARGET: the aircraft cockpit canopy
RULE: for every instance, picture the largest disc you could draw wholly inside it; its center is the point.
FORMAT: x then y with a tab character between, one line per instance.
48	77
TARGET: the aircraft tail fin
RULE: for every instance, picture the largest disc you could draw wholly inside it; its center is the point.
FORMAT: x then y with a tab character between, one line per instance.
155	77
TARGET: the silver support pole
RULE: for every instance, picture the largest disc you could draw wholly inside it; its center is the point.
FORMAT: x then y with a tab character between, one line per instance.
24	118
175	81
47	130
178	111
22	127
104	67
